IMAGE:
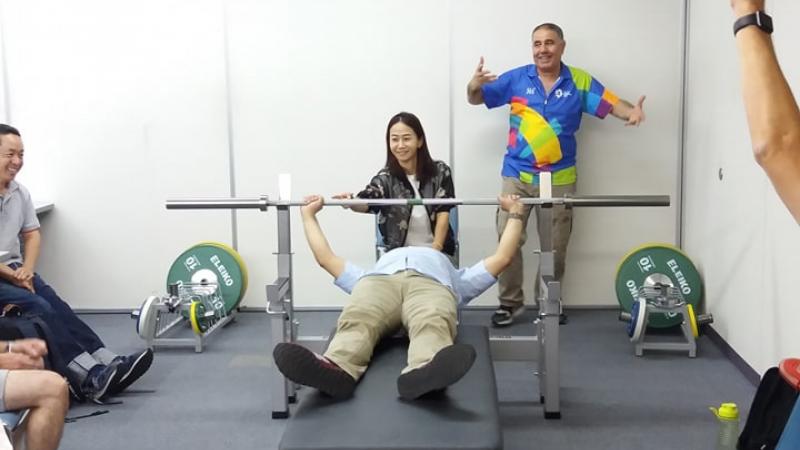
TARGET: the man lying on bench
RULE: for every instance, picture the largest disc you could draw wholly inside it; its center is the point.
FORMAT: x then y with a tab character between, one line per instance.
414	287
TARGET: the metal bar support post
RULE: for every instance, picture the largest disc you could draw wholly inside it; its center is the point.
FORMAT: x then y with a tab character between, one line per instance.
281	312
549	315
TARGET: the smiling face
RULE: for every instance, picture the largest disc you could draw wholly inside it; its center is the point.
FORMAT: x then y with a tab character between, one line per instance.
404	143
548	47
11	158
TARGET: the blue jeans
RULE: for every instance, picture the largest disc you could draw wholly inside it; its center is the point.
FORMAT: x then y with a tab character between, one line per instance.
72	335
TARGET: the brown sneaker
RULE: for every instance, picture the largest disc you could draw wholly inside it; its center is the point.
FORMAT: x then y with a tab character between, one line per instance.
305	367
449	365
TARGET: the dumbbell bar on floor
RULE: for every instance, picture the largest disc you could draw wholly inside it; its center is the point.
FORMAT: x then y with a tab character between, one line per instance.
636	319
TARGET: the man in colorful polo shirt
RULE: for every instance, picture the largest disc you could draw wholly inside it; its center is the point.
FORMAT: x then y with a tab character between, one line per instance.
547	102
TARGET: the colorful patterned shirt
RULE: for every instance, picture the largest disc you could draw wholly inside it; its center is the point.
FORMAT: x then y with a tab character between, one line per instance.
541	137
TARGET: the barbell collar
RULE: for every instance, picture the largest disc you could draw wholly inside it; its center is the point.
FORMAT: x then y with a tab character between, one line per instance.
617	200
263	202
704	319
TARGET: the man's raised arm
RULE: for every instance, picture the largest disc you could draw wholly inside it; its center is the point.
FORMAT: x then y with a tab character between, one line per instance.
509	240
325	257
479	78
772	112
631	114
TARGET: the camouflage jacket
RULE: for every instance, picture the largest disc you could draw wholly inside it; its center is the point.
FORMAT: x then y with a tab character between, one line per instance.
393	220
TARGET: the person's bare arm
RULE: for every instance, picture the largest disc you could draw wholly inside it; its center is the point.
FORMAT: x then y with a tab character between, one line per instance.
10	275
479	78
7	273
772	113
509	240
33	347
31	244
441	229
23	354
349	196
631	114
325	257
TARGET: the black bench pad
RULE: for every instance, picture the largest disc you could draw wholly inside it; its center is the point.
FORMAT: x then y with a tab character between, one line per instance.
465	416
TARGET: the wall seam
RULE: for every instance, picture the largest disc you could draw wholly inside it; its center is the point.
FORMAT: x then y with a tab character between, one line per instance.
229	118
679	203
451	100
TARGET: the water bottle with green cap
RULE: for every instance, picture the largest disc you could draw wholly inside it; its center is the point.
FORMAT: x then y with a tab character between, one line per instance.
728	417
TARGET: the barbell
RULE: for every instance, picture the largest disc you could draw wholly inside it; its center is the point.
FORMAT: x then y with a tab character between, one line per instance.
263	202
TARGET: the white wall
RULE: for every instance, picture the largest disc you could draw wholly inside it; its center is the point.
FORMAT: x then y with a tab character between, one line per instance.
124	107
118	108
741	236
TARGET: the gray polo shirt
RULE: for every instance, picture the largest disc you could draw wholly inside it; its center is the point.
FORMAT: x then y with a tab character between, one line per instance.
17	214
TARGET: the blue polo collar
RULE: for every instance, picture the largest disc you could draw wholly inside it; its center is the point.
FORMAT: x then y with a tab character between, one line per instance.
565	74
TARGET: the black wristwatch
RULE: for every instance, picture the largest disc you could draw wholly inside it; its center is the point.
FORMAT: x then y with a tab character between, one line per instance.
758	18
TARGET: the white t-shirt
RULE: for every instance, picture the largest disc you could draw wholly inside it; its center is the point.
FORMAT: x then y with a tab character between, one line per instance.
419	225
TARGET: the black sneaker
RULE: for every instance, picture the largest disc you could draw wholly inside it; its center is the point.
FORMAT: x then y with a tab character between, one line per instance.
98	383
505	315
447	366
305	367
130	368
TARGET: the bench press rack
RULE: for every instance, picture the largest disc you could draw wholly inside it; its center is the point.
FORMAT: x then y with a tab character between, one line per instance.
543	347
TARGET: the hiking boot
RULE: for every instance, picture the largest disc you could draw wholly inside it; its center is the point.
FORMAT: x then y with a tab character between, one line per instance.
98	383
130	368
449	365
305	367
505	315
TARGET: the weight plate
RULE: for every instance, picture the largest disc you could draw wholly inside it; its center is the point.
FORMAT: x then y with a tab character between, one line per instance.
196	312
212	264
638	320
238	258
147	317
652	264
693	321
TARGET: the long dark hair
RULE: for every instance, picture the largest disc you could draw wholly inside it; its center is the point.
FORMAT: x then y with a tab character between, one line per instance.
426	168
